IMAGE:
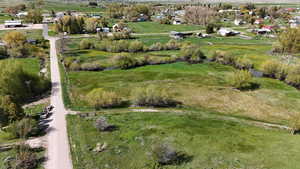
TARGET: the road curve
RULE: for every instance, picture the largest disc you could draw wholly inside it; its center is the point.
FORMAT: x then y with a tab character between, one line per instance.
58	151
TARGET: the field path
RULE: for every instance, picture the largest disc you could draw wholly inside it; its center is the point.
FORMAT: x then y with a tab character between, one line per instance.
58	151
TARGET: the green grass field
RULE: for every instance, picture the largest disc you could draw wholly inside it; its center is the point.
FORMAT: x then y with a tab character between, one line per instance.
208	141
202	85
155	27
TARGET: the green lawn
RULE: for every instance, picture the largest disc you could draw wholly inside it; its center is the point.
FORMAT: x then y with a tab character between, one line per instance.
155	27
208	141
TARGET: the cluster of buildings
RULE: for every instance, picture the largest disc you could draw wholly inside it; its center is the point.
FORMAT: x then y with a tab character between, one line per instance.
175	15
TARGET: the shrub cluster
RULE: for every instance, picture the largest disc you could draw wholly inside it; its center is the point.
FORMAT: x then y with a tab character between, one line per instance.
227	59
275	69
131	46
283	72
293	76
100	98
120	46
121	35
153	96
241	79
171	45
125	61
192	54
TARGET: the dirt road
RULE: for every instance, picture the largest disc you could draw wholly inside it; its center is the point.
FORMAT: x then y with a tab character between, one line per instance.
58	151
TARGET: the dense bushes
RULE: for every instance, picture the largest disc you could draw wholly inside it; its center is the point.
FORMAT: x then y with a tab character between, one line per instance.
16	87
274	69
293	76
171	45
86	44
9	110
121	35
136	46
288	41
99	98
228	59
120	46
192	54
241	79
19	84
133	46
224	58
153	96
125	61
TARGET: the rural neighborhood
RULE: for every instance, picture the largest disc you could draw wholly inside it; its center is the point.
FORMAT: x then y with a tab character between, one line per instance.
178	84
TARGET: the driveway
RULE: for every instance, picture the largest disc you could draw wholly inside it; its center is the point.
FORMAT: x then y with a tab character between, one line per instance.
58	151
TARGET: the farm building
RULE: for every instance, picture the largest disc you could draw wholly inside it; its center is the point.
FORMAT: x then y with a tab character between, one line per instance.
227	32
179	35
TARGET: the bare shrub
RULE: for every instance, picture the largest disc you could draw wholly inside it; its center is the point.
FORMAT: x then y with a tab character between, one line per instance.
102	125
164	154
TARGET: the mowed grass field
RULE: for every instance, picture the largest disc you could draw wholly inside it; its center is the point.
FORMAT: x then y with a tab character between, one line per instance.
155	27
208	142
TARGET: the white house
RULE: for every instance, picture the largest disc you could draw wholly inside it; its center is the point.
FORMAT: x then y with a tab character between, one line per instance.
22	14
13	23
227	32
